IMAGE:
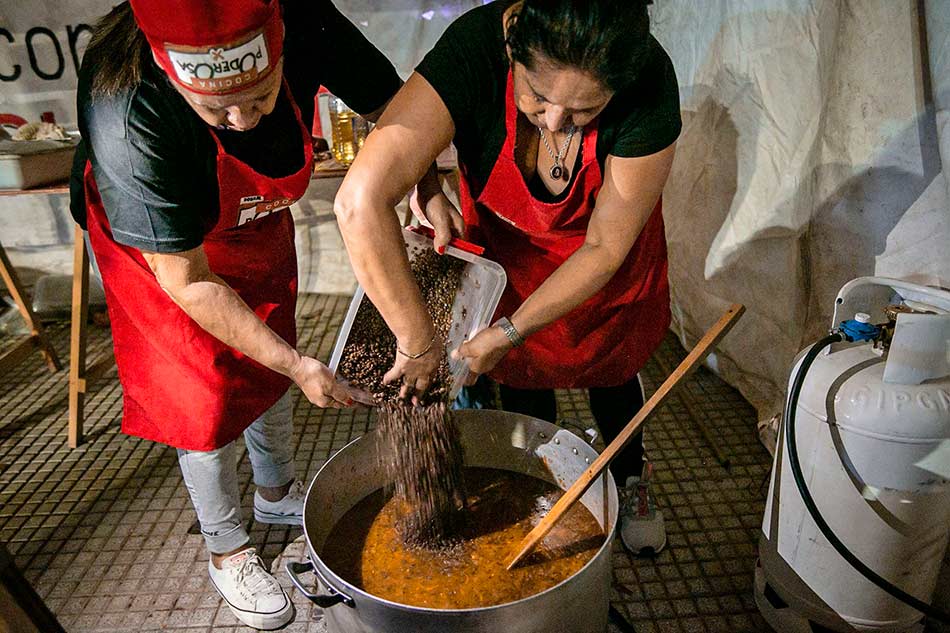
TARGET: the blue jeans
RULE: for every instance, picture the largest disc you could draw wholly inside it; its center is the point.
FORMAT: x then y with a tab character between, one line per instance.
211	477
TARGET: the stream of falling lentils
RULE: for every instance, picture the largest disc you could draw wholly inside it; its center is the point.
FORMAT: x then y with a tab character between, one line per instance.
420	445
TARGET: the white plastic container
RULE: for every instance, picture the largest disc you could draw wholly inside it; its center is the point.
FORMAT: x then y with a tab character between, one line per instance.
480	289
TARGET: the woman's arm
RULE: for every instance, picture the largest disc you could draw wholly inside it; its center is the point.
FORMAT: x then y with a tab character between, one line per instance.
629	194
206	298
374	116
410	134
428	201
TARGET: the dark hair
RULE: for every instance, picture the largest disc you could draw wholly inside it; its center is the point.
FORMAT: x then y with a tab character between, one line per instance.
610	39
119	51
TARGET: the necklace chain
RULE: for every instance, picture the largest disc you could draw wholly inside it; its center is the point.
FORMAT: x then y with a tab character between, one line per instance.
556	169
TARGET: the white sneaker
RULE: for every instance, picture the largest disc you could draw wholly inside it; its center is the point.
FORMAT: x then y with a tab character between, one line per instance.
254	595
287	511
642	529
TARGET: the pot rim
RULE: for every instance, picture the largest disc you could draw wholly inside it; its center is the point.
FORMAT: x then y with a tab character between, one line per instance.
354	591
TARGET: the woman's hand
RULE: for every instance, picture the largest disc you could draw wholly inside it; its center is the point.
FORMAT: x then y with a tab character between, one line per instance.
438	212
320	385
416	373
485	350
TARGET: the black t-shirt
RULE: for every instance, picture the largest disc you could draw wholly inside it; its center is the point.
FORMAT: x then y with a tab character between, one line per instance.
468	68
154	159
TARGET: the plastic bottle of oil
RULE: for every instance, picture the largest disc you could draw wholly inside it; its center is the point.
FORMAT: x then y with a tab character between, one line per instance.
349	131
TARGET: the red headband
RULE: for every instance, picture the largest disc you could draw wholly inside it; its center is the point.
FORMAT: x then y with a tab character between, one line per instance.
213	47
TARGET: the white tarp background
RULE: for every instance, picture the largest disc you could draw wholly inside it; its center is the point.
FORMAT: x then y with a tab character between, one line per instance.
808	157
809	152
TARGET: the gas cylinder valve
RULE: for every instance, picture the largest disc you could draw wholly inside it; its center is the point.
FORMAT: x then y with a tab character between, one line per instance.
859	328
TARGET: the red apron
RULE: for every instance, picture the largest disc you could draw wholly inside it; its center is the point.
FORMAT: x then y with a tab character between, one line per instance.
606	340
181	385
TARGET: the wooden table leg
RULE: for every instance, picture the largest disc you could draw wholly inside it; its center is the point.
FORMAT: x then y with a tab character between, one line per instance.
77	339
37	333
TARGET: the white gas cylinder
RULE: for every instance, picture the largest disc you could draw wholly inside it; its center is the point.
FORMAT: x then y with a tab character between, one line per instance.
874	446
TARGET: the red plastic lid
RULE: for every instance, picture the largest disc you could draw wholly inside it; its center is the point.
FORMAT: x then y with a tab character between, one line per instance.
455	242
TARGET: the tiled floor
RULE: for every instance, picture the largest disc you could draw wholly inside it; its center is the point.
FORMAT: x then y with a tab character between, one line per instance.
104	532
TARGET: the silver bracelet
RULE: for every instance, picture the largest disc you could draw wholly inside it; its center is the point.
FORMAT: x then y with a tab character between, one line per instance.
510	331
423	352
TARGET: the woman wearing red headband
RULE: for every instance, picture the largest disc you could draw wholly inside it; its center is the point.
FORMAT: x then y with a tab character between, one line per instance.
565	116
195	119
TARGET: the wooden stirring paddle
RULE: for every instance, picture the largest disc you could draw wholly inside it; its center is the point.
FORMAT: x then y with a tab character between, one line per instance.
579	487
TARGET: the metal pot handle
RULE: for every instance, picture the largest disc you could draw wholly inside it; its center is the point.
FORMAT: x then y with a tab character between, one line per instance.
589	434
325	601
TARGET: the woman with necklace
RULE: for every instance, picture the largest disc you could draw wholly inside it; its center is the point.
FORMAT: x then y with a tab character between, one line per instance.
564	115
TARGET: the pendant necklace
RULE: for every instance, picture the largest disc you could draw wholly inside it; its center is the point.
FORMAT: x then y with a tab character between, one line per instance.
556	170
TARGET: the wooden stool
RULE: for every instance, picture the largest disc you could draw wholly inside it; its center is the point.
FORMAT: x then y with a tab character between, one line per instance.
79	374
37	340
77	338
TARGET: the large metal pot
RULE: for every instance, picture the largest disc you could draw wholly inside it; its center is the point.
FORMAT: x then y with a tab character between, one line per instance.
492	439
